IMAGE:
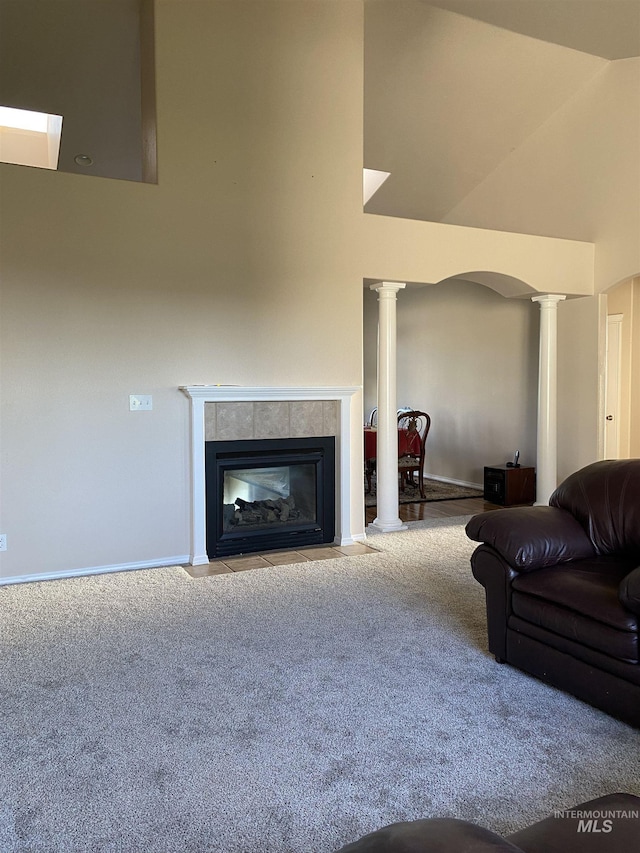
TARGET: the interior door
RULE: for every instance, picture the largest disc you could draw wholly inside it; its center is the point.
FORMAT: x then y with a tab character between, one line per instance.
612	391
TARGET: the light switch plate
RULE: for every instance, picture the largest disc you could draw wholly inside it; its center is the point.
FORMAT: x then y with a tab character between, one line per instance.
140	402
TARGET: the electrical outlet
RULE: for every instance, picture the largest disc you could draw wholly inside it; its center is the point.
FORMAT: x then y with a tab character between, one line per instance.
3	541
140	402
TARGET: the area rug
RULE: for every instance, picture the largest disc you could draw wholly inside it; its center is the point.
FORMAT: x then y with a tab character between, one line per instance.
434	490
280	710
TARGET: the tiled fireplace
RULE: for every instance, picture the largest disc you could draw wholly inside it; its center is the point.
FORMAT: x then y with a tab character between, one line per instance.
222	414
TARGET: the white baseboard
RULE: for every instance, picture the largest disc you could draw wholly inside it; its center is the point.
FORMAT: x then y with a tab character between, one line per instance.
98	570
455	482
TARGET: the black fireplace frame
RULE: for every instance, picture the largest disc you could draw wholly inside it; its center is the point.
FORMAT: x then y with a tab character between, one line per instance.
223	456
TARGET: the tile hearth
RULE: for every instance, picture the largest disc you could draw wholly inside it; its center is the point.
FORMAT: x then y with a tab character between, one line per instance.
270	559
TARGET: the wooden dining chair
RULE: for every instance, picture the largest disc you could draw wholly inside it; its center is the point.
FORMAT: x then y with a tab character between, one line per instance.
413	428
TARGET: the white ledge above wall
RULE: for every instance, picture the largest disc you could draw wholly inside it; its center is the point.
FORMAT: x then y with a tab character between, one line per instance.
201	394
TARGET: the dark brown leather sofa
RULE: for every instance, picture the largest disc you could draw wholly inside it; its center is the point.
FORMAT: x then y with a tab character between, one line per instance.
610	824
562	586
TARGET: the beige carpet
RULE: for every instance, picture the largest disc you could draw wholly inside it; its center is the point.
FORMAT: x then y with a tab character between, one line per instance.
282	710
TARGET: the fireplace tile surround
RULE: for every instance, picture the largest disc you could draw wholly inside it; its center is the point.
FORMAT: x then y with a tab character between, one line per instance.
227	413
233	421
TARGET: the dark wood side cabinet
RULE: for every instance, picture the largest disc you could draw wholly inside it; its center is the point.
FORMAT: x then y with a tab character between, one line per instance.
509	486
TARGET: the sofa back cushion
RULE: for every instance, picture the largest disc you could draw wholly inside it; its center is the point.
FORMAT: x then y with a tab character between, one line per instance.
605	498
432	835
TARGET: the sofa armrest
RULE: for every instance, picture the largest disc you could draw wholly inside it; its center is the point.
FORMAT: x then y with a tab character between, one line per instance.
532	537
629	591
496	576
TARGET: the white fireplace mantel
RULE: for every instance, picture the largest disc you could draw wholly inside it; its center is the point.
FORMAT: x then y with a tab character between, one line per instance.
202	394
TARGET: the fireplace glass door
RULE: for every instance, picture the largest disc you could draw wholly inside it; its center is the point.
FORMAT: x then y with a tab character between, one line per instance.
267	498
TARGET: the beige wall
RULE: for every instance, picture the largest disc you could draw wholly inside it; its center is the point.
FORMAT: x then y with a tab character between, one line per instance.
468	357
238	267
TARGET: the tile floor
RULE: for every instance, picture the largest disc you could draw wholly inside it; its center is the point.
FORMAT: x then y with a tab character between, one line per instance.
277	558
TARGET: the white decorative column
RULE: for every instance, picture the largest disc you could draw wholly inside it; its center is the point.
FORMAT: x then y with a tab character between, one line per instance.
547	448
387	518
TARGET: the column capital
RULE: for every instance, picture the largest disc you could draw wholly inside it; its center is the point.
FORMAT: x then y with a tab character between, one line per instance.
548	299
388	287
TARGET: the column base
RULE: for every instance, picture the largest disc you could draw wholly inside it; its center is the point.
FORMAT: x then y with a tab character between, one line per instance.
387	526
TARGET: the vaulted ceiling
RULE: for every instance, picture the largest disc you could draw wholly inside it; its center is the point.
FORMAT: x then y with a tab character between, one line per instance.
454	87
606	28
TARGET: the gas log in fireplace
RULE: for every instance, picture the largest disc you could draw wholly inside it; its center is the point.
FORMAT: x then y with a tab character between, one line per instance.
268	494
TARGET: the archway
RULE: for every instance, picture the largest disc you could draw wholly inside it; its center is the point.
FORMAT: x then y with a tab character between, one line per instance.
468	356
